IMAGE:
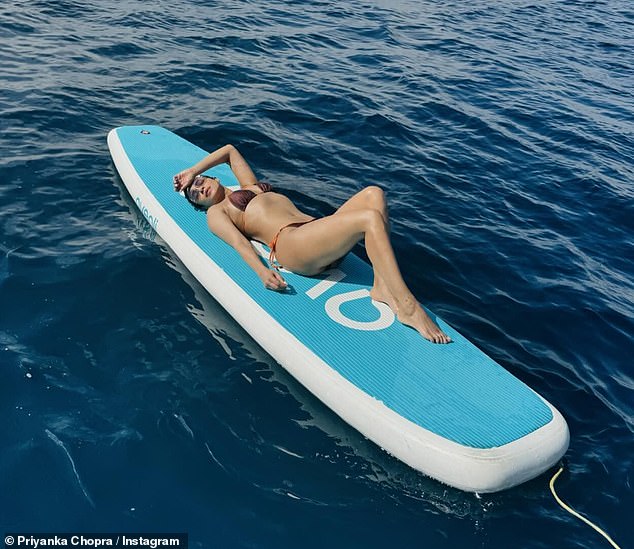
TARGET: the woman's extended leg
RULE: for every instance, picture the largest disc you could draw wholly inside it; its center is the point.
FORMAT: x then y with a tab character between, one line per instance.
308	248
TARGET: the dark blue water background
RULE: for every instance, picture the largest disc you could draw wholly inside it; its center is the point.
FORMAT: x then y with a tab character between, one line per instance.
503	134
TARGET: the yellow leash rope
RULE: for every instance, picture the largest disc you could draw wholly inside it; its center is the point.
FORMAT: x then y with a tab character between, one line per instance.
574	513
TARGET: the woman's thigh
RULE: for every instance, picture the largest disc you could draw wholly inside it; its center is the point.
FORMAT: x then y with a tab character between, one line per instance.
312	247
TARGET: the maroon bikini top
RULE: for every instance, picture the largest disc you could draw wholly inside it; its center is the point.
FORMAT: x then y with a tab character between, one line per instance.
240	199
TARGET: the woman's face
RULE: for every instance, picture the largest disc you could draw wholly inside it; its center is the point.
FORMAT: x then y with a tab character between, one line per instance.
204	191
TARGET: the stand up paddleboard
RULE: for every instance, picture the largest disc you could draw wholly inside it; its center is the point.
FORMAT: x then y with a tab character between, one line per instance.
449	411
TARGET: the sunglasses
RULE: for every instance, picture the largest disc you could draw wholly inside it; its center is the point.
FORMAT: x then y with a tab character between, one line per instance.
194	190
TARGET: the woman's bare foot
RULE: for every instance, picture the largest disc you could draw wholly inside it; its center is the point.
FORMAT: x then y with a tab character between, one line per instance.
413	315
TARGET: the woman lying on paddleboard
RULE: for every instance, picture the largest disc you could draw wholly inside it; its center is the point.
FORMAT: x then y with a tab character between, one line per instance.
299	242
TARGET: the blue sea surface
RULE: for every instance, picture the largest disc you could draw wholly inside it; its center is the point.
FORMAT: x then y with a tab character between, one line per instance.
503	133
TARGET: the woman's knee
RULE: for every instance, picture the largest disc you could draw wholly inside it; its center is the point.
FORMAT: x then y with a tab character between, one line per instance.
374	197
373	220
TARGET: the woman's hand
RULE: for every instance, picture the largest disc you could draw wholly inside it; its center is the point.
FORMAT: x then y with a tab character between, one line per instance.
273	280
184	179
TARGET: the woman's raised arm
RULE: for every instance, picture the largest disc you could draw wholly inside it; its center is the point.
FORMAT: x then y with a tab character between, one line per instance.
227	154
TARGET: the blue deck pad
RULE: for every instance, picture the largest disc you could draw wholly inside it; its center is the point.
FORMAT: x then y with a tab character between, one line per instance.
453	390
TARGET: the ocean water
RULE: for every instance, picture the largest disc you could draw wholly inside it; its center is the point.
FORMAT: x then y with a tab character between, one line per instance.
503	133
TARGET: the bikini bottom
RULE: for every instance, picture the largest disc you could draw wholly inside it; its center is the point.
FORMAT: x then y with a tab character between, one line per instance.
272	259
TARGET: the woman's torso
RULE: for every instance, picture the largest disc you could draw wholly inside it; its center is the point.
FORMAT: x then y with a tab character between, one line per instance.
264	215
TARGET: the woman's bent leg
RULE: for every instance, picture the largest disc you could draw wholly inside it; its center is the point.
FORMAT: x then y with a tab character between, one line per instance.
373	198
309	248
